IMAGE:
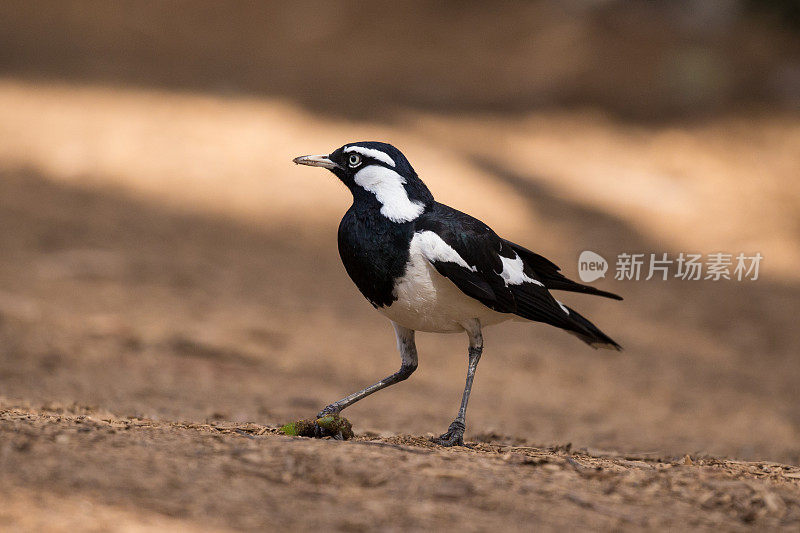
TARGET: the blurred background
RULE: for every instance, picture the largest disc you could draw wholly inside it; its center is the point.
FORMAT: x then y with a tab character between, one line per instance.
162	257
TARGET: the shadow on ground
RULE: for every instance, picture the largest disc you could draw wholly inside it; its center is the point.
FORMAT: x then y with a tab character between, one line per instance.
112	302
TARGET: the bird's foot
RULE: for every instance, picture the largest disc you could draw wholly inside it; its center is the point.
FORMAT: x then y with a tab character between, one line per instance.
332	409
454	435
327	423
333	425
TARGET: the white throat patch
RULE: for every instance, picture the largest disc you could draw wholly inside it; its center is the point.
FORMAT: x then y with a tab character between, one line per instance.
387	186
371	152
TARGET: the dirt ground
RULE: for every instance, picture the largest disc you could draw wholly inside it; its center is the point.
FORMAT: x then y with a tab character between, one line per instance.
140	474
170	293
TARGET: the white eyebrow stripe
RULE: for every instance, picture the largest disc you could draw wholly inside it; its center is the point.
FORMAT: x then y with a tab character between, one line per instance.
371	152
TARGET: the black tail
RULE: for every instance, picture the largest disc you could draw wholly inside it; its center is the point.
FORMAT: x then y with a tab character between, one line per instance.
535	302
548	273
566	284
591	334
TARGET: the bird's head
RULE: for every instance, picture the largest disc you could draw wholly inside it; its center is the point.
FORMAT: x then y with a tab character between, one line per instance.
379	176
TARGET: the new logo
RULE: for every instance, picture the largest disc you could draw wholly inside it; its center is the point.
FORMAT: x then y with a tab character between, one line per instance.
591	266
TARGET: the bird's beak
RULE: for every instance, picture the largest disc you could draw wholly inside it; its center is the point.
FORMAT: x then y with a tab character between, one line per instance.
316	161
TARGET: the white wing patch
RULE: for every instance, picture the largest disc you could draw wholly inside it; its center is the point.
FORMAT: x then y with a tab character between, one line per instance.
387	186
433	248
373	153
513	272
427	300
563	307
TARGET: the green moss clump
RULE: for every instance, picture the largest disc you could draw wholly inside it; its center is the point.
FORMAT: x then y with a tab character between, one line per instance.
300	428
334	426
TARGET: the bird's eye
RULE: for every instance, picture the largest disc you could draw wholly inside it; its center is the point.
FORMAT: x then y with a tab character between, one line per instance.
354	160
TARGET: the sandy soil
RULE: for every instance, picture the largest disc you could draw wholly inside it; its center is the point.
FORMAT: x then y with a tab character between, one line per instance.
170	292
73	467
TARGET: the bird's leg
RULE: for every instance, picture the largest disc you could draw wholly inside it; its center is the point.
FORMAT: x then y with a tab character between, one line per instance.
455	433
408	354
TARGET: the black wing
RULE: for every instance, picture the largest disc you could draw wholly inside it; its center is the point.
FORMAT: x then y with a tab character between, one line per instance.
483	251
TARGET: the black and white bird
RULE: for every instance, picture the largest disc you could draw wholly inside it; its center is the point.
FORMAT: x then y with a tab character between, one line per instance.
428	267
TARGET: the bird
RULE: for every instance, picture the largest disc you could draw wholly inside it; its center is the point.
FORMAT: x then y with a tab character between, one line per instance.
428	267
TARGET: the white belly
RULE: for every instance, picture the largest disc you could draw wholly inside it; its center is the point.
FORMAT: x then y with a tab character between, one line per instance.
428	301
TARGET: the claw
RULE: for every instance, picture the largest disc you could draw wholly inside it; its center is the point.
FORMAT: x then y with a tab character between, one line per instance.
332	409
454	435
333	425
